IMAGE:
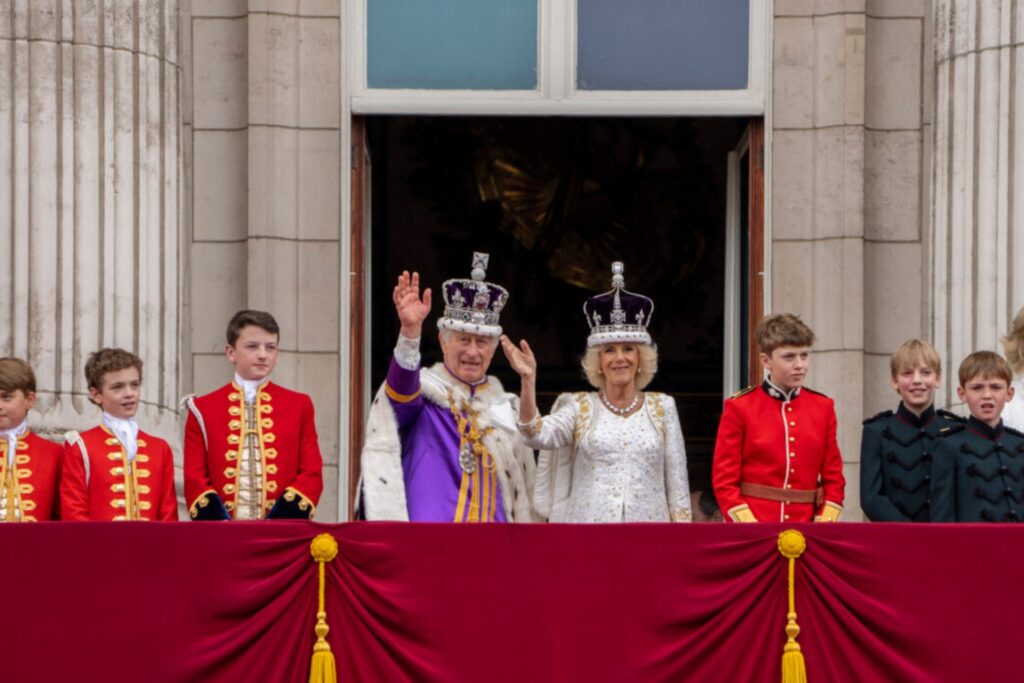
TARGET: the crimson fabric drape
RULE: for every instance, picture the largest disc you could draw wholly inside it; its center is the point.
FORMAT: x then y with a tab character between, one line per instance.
425	602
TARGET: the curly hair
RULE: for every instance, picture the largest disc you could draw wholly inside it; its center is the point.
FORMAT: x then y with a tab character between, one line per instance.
109	360
647	367
1013	343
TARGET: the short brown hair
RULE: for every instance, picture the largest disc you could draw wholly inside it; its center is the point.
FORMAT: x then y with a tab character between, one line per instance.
912	352
1013	343
109	360
16	374
243	319
984	364
782	329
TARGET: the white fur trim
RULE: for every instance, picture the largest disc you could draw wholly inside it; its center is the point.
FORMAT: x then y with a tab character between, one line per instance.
620	337
471	328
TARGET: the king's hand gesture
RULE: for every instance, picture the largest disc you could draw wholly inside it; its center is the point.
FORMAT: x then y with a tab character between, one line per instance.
412	310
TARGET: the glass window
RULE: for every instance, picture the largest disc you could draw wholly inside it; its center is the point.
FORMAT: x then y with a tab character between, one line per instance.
452	44
662	44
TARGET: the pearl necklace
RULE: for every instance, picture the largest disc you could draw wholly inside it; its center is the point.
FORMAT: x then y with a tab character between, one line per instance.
621	412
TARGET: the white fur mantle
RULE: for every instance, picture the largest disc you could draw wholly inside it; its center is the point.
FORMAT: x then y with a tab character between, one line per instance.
382	481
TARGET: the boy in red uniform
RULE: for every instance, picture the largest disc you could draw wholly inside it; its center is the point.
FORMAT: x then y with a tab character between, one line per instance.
115	471
776	456
251	449
29	464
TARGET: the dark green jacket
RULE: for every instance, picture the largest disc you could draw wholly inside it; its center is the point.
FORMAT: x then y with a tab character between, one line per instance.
896	453
978	474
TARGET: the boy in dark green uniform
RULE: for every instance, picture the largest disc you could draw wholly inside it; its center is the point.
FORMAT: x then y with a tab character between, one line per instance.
897	448
978	473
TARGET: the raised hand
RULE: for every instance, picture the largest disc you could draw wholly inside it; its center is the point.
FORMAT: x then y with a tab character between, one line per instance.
412	310
521	358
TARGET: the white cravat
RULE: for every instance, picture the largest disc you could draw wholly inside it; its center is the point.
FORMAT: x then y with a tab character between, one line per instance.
126	431
249	386
12	440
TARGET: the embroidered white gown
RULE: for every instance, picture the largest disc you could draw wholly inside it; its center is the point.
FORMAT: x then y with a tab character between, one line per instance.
601	467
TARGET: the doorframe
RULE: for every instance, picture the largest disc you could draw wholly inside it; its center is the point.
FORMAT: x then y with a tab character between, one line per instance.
355	260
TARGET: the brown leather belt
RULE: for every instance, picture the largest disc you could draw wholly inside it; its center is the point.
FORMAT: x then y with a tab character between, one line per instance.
780	495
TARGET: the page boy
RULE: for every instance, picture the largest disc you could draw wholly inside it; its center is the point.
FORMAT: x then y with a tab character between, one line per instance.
978	473
29	464
251	449
115	471
776	456
897	448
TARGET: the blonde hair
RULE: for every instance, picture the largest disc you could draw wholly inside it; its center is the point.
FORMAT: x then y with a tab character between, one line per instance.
646	368
985	364
1013	343
782	329
912	352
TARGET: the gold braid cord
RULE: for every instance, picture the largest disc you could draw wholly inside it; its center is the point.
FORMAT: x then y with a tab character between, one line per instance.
792	545
323	669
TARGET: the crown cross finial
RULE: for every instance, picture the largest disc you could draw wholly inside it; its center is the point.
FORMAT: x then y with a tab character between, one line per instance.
479	271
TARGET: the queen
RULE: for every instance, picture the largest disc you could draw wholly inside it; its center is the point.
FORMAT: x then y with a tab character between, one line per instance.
615	454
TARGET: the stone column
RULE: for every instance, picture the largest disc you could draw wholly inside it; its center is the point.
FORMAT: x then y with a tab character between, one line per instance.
265	129
817	198
89	197
977	240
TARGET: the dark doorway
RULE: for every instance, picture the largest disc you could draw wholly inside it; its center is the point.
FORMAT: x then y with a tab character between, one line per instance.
554	201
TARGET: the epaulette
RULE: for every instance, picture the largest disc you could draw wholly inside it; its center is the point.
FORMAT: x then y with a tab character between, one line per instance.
745	391
950	415
880	416
813	391
952	429
1015	432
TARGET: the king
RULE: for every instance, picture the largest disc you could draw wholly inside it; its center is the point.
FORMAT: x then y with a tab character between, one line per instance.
442	443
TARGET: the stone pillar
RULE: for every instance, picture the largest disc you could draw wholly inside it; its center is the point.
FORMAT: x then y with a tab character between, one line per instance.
89	197
817	198
265	131
977	240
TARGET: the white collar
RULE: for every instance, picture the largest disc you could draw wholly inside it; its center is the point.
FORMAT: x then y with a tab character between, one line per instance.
779	392
12	439
250	386
127	432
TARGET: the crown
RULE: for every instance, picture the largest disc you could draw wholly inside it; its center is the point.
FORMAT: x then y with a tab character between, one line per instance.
618	315
473	305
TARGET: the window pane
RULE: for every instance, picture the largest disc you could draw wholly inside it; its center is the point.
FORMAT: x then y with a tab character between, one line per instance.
662	44
452	44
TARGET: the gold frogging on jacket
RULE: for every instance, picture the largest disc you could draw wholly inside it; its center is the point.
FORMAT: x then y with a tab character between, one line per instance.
249	425
12	507
130	472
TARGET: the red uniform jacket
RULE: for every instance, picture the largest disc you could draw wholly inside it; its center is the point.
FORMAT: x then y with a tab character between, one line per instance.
787	444
292	465
99	484
36	474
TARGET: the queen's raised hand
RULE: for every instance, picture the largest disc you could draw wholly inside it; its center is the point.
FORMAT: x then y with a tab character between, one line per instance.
521	358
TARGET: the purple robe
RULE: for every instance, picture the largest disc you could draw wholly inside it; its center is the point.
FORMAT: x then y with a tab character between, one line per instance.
430	453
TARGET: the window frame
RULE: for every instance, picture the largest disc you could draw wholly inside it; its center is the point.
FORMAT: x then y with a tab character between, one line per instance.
556	93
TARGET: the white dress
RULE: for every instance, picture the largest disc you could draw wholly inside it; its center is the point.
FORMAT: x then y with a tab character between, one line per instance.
1013	412
596	466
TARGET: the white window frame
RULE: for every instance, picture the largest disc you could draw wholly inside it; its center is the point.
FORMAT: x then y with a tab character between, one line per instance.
556	92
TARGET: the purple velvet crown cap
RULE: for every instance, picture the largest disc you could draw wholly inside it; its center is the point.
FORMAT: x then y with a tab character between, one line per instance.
473	305
618	316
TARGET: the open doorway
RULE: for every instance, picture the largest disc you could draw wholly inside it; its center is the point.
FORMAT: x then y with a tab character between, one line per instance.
555	201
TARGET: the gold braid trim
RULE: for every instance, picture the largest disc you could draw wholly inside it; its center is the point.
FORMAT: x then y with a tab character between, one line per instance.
466	422
322	668
792	545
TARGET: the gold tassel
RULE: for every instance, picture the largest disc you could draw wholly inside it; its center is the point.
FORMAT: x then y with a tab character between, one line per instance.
792	545
322	669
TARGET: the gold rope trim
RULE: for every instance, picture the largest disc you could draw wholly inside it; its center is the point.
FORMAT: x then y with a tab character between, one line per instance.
322	669
792	545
